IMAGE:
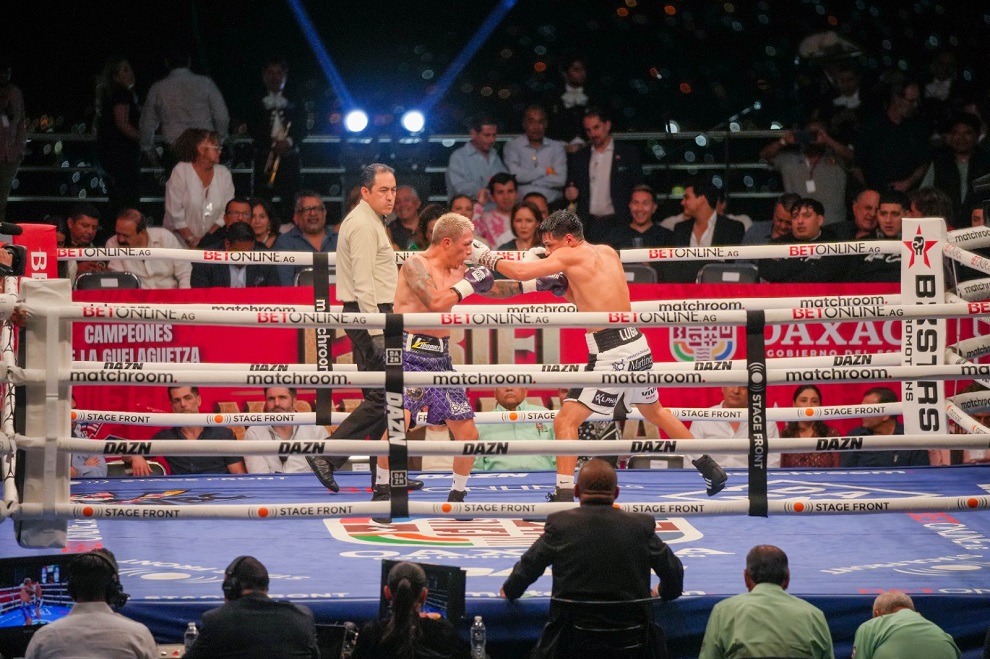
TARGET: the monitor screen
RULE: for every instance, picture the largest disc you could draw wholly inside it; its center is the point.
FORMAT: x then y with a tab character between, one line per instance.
32	593
445	585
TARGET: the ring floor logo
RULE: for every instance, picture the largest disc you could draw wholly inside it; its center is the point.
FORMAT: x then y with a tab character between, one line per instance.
478	533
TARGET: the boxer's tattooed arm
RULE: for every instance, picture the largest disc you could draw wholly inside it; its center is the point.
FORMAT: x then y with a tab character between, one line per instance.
420	281
503	288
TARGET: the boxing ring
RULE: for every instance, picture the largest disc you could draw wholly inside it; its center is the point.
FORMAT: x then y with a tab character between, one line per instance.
922	530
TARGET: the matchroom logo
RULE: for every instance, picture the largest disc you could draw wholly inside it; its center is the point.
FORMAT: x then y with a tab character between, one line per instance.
702	344
478	533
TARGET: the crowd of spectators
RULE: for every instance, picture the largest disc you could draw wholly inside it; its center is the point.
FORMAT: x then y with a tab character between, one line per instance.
868	153
865	157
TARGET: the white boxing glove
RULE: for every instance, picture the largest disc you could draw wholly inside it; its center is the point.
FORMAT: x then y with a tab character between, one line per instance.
481	255
534	254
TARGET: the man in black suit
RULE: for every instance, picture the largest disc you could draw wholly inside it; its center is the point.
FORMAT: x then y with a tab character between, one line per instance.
239	238
703	227
598	553
251	624
277	123
602	176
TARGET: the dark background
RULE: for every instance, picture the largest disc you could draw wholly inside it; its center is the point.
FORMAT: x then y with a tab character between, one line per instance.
716	57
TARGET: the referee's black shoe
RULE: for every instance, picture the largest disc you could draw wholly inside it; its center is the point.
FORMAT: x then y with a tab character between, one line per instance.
324	471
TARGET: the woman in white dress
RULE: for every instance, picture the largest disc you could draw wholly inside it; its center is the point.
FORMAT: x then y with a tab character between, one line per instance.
199	187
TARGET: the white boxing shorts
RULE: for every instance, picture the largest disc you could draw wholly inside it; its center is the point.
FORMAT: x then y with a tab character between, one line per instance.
611	350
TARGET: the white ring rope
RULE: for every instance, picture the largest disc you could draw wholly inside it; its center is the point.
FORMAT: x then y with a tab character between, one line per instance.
626	255
794	250
498	318
972	348
971	291
522	416
323	509
514	447
699	304
870	359
965	421
970	237
967	258
479	378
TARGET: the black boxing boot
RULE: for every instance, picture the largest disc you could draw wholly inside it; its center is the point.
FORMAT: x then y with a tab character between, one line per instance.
561	495
381	493
713	474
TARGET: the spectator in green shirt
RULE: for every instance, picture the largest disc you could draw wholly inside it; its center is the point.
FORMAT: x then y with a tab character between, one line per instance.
897	630
513	399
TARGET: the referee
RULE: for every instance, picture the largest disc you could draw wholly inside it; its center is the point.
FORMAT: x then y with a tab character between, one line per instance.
366	280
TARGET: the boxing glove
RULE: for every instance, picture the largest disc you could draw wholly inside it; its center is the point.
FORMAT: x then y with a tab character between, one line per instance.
476	280
534	254
556	284
481	255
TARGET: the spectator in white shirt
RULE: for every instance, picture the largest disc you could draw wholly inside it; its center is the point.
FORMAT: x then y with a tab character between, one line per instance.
281	399
155	272
733	398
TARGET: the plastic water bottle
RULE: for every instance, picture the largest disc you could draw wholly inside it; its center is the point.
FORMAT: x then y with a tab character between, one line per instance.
191	635
478	638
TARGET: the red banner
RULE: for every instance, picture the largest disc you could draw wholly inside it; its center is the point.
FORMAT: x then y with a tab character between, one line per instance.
39	240
172	343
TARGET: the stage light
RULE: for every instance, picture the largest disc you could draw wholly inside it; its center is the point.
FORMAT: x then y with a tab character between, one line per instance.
467	53
320	51
355	121
413	121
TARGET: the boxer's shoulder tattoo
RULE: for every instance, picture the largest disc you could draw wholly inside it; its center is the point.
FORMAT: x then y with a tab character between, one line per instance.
419	279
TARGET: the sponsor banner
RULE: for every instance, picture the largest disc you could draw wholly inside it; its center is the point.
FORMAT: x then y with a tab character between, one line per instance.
278	345
39	241
923	339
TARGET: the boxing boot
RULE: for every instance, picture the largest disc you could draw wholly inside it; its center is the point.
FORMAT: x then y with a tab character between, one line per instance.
713	474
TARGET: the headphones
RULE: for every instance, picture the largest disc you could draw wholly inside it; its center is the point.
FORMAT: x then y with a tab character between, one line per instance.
232	586
114	594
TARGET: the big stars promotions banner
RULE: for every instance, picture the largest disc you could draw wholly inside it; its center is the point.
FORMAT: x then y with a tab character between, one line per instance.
176	343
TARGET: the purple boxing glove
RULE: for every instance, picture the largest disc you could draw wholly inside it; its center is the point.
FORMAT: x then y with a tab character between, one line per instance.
556	284
476	280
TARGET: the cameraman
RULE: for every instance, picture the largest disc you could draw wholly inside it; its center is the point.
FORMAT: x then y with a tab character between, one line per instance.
813	165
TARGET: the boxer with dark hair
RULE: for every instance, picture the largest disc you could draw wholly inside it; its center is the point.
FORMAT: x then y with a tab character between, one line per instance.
591	276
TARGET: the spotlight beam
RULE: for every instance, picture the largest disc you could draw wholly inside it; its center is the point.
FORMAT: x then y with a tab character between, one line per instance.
466	54
322	56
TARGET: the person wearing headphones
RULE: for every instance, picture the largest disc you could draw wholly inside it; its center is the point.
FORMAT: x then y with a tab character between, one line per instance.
251	624
93	628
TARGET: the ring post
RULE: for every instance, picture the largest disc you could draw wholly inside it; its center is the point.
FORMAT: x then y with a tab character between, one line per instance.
398	453
48	345
923	339
756	371
324	335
